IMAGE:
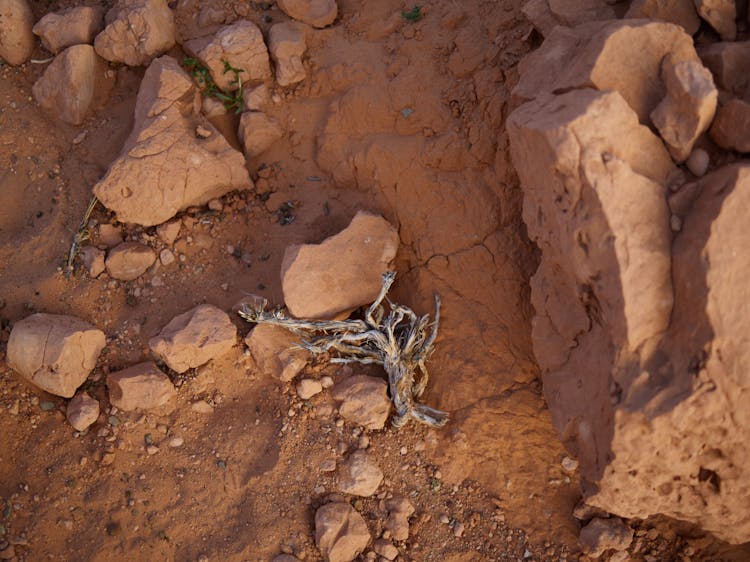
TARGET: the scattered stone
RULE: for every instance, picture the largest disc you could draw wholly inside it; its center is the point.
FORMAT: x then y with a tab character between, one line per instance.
584	512
385	549
729	62
273	351
55	353
360	476
110	235
239	44
318	13
152	450
82	411
688	108
194	338
458	529
569	464
680	12
731	128
601	535
166	257
93	260
364	401
397	523
307	388
72	26
326	381
129	261
203	133
720	14
340	532
169	231
287	45
136	32
202	407
215	205
698	162
256	99
16	39
328	465
163	167
342	272
143	386
258	132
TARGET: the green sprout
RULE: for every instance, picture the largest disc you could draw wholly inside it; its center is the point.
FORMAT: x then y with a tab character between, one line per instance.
413	15
233	100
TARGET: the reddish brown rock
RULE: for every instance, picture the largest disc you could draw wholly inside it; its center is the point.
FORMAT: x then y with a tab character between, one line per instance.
140	387
194	338
16	39
129	260
364	401
731	128
82	411
93	260
136	32
340	532
720	14
729	62
680	12
258	132
399	510
342	272
164	166
54	352
360	475
256	99
72	26
318	13
273	350
286	43
68	86
601	535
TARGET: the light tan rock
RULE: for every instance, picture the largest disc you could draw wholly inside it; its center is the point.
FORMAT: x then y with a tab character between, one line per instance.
164	167
688	108
287	45
601	535
169	231
399	510
340	532
136	32
256	99
342	272
93	260
360	475
680	12
68	85
698	162
273	350
16	39
194	338
540	16
258	132
239	44
601	55
720	14
129	260
54	352
729	62
110	235
82	411
731	128
364	401
141	387
318	13
385	549
307	388
72	26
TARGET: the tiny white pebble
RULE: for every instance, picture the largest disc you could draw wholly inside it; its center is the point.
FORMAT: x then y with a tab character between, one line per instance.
404	450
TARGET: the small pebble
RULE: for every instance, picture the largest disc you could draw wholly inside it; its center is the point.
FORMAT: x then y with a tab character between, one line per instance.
698	162
403	450
569	464
152	449
202	407
326	382
675	223
215	205
202	132
444	519
307	388
166	257
458	529
364	442
46	406
176	442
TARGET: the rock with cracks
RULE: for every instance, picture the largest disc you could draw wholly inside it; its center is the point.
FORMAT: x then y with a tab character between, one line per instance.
194	338
360	475
286	42
16	39
55	353
364	401
318	13
341	273
340	532
72	26
164	166
82	411
141	387
273	350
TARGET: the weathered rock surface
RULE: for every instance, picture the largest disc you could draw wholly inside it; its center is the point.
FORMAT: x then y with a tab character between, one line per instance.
680	12
318	13
16	39
360	475
68	85
342	272
54	352
287	44
72	26
93	260
385	549
194	338
364	400
546	14
720	14
731	128
140	387
340	532
129	260
729	62
258	132
82	411
164	167
307	388
136	32
600	55
399	510
273	351
601	535
688	108
256	99
241	45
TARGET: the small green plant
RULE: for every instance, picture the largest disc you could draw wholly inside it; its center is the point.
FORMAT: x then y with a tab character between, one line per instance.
233	100
413	15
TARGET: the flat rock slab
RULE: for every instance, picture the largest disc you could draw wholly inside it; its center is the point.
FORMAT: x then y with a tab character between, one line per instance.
16	38
72	26
54	352
164	166
341	273
340	532
141	387
318	13
194	338
274	352
129	260
364	401
82	411
360	475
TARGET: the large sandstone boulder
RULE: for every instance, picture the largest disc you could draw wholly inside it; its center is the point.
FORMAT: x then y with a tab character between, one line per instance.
141	387
164	166
318	13
342	272
16	39
286	42
72	26
720	14
136	32
340	532
68	86
731	128
54	352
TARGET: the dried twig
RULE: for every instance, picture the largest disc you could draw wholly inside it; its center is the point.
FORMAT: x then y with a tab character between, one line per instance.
401	341
81	236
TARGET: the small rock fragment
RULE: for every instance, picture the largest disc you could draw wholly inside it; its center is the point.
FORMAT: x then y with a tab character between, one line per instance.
110	235
360	475
318	13
258	132
16	39
731	127
273	351
129	261
93	260
569	464
202	407
82	411
166	257
307	388
287	45
385	549
601	535
143	386
255	99
54	352
397	523
729	62
169	231
176	442
720	14
698	162
364	400
194	338
340	532
72	26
